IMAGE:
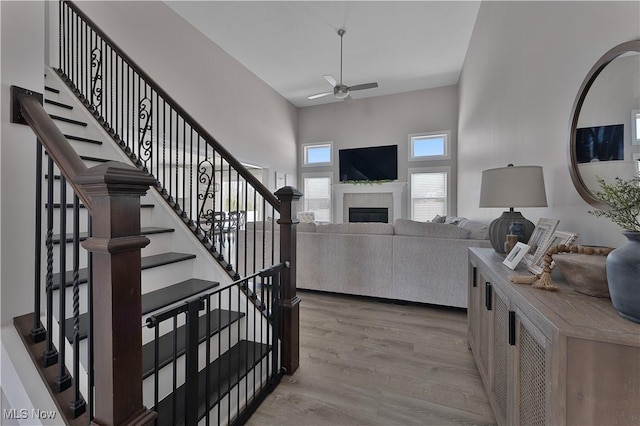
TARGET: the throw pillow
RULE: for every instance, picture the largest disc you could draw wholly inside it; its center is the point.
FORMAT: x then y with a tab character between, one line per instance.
438	219
453	220
478	231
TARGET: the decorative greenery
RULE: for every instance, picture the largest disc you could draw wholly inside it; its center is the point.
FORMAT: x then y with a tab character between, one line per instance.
623	198
368	182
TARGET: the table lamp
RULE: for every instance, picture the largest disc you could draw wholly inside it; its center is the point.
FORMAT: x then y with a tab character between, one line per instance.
511	186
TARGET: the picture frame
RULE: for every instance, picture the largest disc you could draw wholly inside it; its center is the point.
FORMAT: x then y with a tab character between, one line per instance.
558	237
542	232
516	255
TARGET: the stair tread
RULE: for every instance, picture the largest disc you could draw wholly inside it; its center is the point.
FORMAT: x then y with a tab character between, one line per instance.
148	262
179	294
149	230
91	158
82	206
51	89
68	120
59	104
218	320
158	299
83	139
234	364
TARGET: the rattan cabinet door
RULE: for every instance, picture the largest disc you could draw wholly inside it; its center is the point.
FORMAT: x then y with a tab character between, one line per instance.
485	335
473	310
533	379
500	358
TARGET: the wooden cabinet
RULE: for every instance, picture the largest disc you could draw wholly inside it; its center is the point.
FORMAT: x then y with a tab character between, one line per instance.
558	358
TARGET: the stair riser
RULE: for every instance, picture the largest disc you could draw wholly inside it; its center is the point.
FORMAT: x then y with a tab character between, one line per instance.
159	243
68	294
166	373
162	276
146	215
144	200
70	128
83	294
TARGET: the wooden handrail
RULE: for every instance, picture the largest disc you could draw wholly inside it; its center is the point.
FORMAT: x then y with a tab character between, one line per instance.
226	155
54	142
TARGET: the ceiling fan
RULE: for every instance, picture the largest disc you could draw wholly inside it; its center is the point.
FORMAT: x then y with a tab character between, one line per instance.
340	90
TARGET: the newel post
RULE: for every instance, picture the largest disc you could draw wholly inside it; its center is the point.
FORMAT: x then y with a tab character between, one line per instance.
289	197
115	190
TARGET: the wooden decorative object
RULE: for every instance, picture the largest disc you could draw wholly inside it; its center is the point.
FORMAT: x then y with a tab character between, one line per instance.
543	280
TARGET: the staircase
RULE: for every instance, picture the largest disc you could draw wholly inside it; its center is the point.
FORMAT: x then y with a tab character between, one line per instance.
155	309
169	278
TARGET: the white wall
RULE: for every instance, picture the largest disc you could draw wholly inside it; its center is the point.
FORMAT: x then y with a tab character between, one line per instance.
245	115
525	64
22	65
382	120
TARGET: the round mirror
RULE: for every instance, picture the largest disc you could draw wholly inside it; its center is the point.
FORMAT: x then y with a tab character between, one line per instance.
605	126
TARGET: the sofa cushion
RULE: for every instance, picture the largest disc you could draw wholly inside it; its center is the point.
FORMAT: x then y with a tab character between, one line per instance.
356	228
429	229
478	230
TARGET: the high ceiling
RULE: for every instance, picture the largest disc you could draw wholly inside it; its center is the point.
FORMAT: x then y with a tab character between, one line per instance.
290	45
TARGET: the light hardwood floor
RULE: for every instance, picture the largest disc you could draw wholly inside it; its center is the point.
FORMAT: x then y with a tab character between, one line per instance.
364	362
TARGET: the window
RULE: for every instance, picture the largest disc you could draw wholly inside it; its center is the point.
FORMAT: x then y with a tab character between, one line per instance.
317	154
429	146
317	195
429	189
635	127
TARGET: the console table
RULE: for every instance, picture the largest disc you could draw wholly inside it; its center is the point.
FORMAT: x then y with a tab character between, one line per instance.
559	358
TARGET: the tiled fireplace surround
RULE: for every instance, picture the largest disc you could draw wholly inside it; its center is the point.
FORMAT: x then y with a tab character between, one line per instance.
348	195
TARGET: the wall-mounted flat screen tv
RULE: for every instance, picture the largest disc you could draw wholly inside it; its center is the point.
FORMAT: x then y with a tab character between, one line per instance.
367	164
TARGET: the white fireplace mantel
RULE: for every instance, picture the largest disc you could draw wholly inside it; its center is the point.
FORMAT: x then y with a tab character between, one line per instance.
394	188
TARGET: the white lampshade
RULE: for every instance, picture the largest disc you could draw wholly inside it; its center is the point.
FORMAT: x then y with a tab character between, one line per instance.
513	186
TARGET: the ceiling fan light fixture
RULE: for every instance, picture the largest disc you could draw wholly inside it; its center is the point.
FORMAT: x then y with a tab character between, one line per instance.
341	92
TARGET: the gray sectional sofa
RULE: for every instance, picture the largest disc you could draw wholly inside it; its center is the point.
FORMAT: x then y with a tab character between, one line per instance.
407	260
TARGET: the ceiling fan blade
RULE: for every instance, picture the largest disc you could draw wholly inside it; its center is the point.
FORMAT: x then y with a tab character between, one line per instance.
363	86
332	81
319	95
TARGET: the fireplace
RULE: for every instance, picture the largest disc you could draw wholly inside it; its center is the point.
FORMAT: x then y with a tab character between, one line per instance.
387	194
369	214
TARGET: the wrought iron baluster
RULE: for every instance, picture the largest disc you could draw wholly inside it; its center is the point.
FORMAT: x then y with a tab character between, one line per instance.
50	355
91	367
219	381
38	333
78	404
184	170
190	178
174	399
145	114
164	145
63	380
207	372
96	78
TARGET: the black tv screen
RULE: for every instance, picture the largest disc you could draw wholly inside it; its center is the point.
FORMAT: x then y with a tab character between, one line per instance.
374	163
